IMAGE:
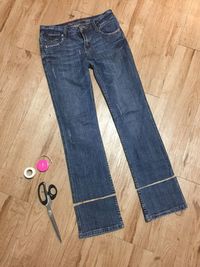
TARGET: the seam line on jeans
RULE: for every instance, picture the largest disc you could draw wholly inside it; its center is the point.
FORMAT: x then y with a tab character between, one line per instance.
158	182
85	201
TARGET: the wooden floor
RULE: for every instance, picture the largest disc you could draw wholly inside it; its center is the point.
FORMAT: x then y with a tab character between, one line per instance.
164	37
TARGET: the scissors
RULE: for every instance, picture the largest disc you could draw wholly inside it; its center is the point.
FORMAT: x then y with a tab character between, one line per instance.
46	196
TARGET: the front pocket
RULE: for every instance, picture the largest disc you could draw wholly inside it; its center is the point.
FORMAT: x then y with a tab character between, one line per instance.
109	27
52	38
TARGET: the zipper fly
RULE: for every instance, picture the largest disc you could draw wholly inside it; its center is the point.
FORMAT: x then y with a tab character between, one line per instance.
85	39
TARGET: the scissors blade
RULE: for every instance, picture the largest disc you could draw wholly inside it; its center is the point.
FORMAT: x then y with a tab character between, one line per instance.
53	221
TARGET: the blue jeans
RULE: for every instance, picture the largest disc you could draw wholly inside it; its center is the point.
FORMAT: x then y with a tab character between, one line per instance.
98	42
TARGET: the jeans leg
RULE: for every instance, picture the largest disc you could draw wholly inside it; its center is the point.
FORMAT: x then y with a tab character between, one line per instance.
157	186
93	192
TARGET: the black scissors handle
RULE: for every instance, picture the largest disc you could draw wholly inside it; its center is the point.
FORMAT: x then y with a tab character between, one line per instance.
43	192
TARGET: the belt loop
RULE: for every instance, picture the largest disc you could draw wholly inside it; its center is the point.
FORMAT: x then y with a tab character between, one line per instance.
65	31
95	25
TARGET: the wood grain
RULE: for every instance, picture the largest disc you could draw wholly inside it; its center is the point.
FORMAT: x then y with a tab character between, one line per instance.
165	41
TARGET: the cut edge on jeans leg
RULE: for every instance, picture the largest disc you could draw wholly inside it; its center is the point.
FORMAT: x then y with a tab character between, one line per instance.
154	216
93	199
98	231
158	182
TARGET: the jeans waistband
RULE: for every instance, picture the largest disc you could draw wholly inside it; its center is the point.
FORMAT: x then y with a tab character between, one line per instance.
74	24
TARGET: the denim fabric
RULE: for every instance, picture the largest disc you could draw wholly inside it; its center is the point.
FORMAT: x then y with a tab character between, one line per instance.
98	42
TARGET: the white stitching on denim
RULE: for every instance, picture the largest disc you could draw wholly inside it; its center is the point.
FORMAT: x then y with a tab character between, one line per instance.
85	201
158	182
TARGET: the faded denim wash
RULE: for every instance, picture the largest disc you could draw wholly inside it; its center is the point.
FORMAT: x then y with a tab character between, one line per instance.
98	42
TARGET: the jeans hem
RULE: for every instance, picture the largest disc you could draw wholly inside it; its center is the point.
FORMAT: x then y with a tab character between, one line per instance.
149	218
101	230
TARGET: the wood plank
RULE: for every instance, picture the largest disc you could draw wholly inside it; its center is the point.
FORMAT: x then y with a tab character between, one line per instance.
177	112
190	35
153	35
164	39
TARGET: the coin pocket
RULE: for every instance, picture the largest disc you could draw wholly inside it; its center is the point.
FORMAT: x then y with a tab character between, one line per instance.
52	38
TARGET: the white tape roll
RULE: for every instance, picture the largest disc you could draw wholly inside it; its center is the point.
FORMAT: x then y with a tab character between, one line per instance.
29	172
